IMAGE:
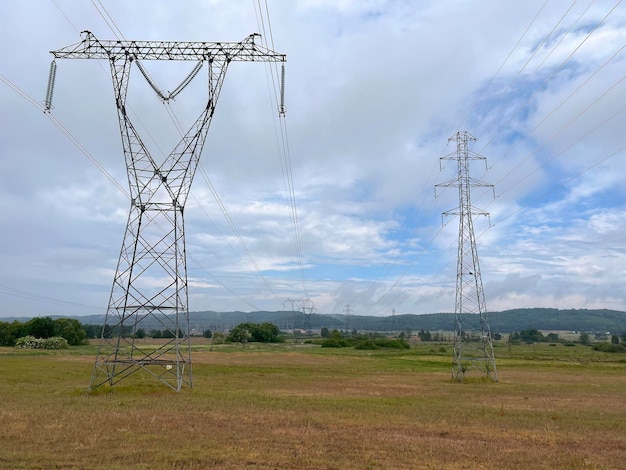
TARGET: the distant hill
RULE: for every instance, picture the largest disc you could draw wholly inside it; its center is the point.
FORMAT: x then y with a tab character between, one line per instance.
505	322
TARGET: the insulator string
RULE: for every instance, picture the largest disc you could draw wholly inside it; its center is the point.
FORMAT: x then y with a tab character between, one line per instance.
281	108
50	89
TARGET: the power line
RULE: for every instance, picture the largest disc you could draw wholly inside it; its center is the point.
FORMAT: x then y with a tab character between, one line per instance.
566	99
550	77
283	141
506	59
41	298
560	185
170	111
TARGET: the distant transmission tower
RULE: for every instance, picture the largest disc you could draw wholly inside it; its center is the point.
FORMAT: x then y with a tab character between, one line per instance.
150	283
307	309
473	346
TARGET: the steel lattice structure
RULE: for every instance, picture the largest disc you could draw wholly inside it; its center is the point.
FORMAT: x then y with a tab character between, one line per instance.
473	346
150	283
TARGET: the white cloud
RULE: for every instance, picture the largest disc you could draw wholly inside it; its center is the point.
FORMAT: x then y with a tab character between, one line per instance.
373	91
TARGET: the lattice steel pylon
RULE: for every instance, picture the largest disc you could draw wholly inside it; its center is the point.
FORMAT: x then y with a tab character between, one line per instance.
473	345
150	283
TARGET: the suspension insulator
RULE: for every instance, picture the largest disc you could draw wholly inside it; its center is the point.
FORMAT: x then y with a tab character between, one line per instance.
281	107
50	90
186	81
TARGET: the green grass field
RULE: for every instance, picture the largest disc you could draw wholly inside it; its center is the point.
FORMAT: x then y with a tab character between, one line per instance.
304	407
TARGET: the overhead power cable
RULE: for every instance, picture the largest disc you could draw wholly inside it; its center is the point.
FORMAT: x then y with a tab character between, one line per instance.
550	77
506	59
276	90
235	230
536	50
67	133
565	100
580	138
41	298
554	188
431	178
117	32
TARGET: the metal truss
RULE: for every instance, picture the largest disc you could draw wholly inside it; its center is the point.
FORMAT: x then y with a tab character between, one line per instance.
150	284
473	346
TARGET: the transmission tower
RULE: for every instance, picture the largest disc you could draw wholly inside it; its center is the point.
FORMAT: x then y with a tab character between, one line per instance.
348	311
150	284
307	309
473	346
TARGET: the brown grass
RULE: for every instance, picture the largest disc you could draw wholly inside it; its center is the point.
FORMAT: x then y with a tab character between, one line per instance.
311	409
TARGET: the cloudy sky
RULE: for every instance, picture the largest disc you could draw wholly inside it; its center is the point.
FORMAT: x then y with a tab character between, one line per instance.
373	91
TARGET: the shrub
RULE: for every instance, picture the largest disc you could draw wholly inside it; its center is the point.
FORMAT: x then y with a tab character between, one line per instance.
334	343
367	345
392	343
609	347
30	342
378	343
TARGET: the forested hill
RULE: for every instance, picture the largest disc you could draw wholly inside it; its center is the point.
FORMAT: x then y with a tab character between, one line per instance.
504	322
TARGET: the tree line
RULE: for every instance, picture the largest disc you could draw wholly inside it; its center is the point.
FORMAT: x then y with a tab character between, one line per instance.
43	327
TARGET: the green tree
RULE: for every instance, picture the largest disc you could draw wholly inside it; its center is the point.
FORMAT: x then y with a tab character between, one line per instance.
324	333
530	336
336	334
584	338
71	330
167	333
10	332
41	327
239	334
424	335
256	332
218	338
207	333
265	333
92	331
140	333
614	339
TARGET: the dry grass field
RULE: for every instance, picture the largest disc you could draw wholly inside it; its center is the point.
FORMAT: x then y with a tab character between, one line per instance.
299	407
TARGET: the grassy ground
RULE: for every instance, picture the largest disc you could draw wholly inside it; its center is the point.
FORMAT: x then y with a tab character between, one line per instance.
304	407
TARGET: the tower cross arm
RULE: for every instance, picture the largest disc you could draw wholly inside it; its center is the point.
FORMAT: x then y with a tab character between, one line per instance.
243	51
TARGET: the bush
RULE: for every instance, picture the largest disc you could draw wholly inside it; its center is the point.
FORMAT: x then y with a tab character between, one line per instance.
334	343
392	343
367	345
30	342
609	347
379	343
